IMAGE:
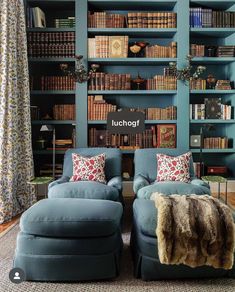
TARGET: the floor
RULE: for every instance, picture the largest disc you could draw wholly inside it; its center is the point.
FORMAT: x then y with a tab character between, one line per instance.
5	226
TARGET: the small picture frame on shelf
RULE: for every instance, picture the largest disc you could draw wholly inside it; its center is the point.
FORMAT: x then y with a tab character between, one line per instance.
166	136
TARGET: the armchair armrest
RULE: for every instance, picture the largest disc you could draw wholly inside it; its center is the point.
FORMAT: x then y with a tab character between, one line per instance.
116	182
61	180
139	182
199	182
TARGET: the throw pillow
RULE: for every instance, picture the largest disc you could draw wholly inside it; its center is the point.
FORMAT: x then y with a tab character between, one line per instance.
171	168
88	168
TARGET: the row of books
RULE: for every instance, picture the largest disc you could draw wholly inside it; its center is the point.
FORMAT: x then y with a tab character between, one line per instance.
64	22
212	51
215	143
46	170
98	108
105	20
161	136
64	112
108	47
199	84
51	37
51	50
35	17
151	19
157	51
202	17
107	81
161	82
212	108
57	83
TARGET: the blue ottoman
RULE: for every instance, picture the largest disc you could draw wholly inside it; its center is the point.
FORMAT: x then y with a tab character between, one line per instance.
70	240
145	250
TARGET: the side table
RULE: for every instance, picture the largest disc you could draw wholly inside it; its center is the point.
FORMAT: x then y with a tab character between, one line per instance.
41	181
217	179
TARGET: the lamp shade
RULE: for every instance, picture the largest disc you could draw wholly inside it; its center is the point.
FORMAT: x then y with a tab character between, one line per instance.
46	128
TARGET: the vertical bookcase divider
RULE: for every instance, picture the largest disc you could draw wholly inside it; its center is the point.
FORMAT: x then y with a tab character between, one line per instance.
81	89
182	88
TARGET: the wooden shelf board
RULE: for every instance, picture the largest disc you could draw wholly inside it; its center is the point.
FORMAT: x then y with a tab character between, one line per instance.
143	32
133	92
131	61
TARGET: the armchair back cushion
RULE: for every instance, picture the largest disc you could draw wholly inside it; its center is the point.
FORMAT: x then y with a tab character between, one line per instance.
146	162
112	162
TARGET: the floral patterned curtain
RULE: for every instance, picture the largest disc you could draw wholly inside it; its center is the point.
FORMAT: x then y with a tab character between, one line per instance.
16	162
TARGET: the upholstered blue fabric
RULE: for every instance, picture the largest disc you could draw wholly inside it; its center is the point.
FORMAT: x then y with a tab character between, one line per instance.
84	189
146	172
72	218
169	188
62	188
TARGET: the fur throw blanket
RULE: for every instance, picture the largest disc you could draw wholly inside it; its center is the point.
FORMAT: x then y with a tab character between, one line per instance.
194	230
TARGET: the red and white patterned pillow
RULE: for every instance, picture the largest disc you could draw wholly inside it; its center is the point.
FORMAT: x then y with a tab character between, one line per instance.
88	168
171	168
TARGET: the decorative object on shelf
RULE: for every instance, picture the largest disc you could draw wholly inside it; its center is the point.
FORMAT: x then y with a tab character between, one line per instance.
210	82
166	136
195	141
79	73
137	48
50	128
139	82
186	74
203	128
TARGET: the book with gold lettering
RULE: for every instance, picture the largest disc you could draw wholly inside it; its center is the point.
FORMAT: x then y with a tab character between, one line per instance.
118	46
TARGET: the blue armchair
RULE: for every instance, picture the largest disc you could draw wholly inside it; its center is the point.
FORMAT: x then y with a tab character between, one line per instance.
63	188
146	172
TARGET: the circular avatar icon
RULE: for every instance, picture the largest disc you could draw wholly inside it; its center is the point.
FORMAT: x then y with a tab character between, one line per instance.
17	275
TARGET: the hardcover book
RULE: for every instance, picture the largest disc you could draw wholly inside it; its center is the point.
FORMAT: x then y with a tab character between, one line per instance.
166	136
118	47
213	108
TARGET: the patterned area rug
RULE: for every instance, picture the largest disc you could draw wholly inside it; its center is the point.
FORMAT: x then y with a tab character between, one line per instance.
125	282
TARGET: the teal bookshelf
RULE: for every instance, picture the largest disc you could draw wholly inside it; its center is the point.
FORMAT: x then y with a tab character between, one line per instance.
222	68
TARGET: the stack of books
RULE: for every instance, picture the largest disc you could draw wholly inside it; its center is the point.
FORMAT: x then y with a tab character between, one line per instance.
215	143
107	81
98	108
64	112
108	47
157	51
197	50
199	84
105	20
223	85
64	22
46	170
225	51
57	83
35	17
161	82
151	19
50	44
62	144
202	17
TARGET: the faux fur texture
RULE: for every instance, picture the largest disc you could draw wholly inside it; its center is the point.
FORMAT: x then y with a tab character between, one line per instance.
194	230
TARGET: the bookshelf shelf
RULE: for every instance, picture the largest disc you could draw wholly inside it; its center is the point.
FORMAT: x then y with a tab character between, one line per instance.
147	122
132	5
133	92
48	60
213	91
213	60
51	29
146	32
48	152
213	121
218	4
53	92
212	31
228	150
132	61
53	122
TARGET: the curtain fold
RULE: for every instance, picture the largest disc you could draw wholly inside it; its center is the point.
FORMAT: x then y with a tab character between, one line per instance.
16	158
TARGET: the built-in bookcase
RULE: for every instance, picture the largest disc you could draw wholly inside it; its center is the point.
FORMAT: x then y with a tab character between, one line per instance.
183	35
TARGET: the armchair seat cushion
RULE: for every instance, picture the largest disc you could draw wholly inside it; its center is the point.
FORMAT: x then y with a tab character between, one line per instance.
84	190
170	187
